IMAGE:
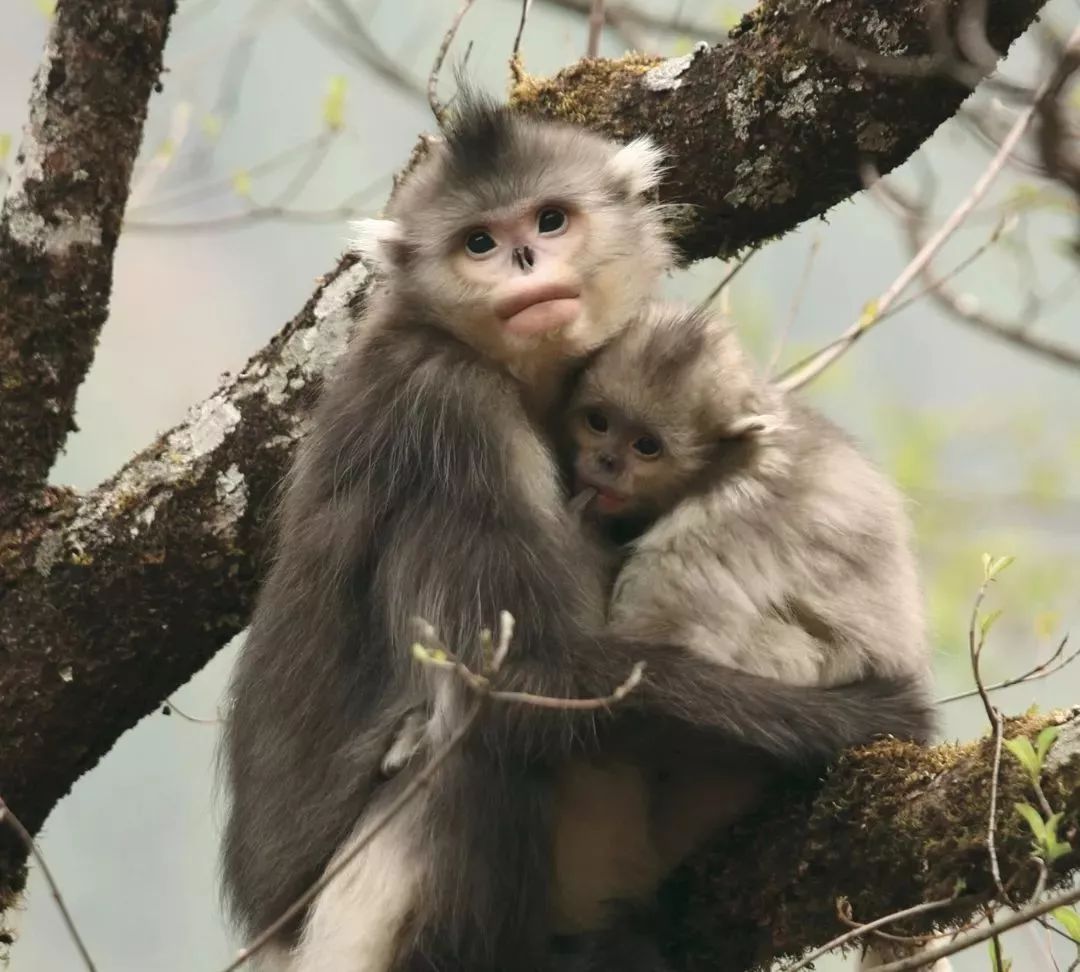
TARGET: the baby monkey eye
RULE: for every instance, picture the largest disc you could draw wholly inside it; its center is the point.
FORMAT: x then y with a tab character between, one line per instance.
596	420
550	219
648	447
480	242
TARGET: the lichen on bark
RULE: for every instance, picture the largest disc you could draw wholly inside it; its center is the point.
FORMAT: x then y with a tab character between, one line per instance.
60	221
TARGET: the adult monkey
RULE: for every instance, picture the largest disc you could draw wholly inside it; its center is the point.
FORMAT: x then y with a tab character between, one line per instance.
427	488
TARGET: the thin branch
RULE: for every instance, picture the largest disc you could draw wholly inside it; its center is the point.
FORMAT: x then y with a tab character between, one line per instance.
730	274
1040	671
991	827
349	35
478	683
869	926
408	792
437	108
59	222
796	303
171	707
23	834
596	28
620	14
515	54
804	372
1022	917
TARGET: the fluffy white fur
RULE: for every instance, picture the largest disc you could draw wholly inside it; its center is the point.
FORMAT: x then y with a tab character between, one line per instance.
369	237
639	164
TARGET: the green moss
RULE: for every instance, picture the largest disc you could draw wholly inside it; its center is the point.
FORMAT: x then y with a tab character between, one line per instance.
581	92
891	825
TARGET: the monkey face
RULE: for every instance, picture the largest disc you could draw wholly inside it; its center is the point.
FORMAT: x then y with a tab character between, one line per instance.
628	464
524	259
533	242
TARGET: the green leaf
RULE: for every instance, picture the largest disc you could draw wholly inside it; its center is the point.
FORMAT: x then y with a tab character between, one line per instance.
986	566
333	107
1045	740
869	315
211	126
241	183
998	962
998	566
1056	849
431	656
1070	921
1034	821
1053	848
1022	749
988	622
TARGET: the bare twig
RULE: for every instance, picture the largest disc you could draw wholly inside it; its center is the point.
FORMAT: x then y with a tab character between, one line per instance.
977	632
991	828
729	275
170	707
596	28
622	15
1040	671
515	54
479	684
1022	917
23	834
408	792
437	108
796	303
805	371
348	34
870	926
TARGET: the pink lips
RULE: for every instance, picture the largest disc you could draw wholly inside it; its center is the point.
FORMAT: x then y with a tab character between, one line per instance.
543	306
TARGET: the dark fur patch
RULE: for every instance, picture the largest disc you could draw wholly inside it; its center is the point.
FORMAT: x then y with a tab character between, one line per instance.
480	135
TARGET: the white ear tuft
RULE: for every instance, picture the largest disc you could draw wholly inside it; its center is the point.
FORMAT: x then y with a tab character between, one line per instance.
639	164
755	425
369	238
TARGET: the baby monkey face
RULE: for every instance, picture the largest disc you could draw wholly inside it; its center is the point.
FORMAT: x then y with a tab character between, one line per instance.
626	462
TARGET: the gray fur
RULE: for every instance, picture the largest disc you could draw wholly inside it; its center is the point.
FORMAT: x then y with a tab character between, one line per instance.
788	554
428	488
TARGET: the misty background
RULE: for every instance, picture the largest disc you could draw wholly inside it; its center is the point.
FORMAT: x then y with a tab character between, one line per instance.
983	438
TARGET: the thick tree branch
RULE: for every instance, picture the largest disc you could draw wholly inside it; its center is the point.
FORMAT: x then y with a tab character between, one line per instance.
61	218
768	131
892	825
108	601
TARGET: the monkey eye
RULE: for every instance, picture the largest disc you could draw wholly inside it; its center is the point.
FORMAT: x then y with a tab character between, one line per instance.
596	420
551	219
648	447
480	242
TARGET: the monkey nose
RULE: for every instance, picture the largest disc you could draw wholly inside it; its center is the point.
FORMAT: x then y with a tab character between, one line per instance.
607	462
524	257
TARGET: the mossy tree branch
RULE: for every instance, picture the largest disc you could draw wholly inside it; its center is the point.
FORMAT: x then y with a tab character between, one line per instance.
770	130
891	825
110	600
60	221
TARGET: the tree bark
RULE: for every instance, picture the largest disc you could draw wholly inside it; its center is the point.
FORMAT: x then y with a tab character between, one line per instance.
111	599
891	825
61	219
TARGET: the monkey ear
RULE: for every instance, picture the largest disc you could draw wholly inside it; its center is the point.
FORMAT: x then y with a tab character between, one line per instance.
753	426
638	165
376	241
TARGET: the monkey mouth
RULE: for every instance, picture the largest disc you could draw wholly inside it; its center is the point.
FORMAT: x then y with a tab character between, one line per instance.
606	501
540	307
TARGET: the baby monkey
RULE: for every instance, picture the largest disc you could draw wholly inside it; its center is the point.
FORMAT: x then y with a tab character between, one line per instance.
753	530
745	527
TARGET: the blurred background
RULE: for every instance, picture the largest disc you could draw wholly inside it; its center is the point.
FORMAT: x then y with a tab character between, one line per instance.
282	119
